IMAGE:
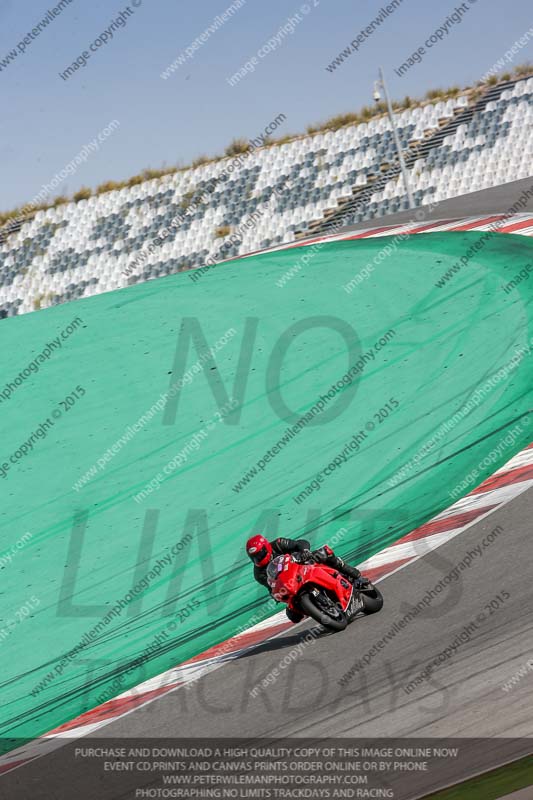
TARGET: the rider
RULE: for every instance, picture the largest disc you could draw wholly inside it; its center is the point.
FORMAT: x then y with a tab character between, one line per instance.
261	552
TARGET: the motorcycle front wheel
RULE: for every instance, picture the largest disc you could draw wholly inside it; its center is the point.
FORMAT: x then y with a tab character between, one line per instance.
322	609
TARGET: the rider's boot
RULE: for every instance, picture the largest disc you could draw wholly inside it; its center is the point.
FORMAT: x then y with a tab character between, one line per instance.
326	556
350	572
294	616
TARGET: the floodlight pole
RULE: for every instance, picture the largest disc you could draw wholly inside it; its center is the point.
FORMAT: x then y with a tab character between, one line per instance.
403	168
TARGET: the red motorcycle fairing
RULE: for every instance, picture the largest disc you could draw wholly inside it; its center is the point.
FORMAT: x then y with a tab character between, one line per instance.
287	578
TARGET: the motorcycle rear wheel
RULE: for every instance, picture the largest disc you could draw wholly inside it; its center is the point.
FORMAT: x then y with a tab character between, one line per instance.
308	605
372	601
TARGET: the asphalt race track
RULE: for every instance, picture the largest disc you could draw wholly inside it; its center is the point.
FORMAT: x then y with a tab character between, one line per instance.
464	698
496	200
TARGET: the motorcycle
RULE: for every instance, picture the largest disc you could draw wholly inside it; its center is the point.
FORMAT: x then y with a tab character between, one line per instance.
320	592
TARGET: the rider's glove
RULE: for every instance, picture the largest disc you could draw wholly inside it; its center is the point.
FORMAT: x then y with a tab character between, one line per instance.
306	556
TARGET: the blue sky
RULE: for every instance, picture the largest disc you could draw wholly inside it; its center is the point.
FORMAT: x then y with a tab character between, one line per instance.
46	120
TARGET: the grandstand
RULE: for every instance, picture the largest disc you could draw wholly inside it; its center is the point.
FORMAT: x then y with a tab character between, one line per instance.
480	145
274	194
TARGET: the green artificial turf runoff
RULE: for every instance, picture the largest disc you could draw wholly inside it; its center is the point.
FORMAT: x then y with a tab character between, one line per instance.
492	785
88	549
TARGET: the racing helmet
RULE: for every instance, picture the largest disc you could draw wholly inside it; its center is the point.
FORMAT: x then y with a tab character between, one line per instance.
259	550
